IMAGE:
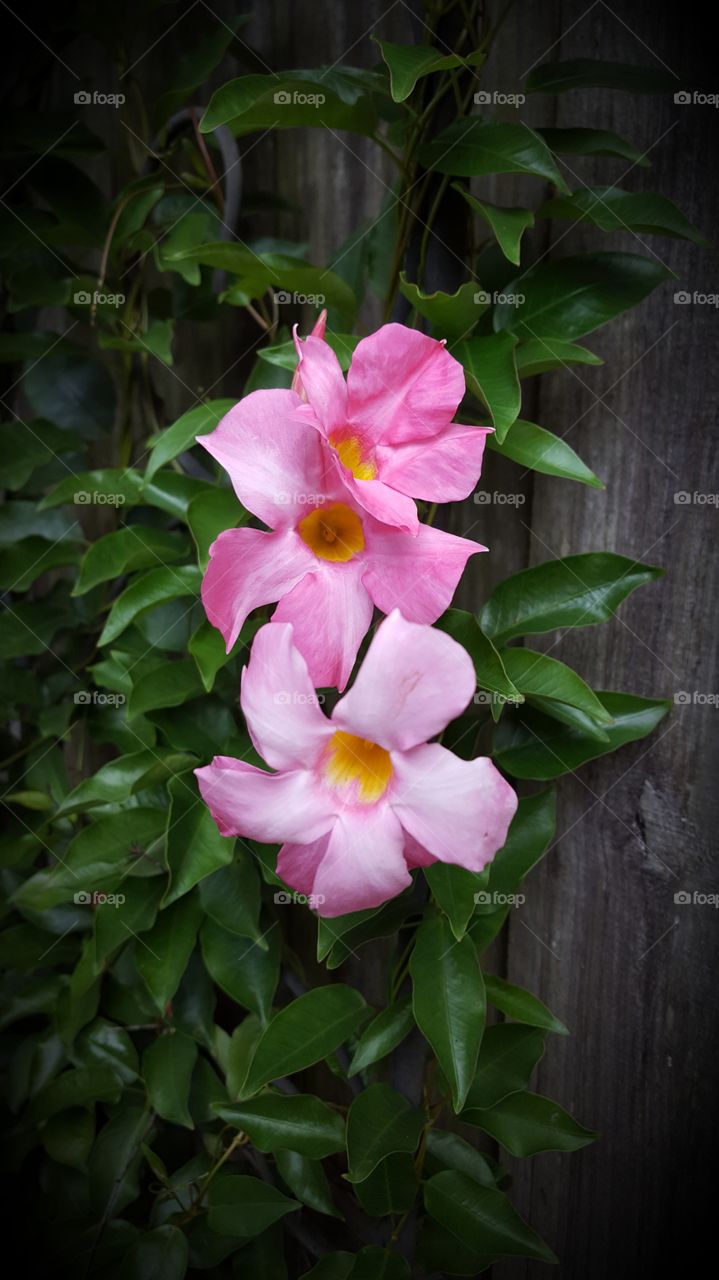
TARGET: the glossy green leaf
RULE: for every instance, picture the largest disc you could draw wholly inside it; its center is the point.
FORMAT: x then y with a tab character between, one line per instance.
482	1218
574	296
113	487
380	1121
612	209
506	224
246	970
231	897
201	420
521	1005
259	272
539	450
208	515
450	314
168	686
526	1123
255	103
307	1181
537	355
128	549
167	948
536	674
576	591
294	1122
508	1056
491	371
390	1188
454	889
146	592
532	828
593	142
448	1001
596	73
491	674
160	1254
73	389
195	847
167	1068
535	746
449	1151
408	63
120	778
243	1206
470	148
79	1086
68	1136
304	1032
383	1034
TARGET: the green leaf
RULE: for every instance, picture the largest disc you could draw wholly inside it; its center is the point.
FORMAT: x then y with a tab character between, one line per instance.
162	961
246	970
255	103
72	389
116	1159
506	224
593	142
209	514
304	1032
194	65
167	1068
77	1087
408	63
284	354
596	73
537	355
448	1001
533	827
243	1206
534	746
526	1123
21	565
469	148
539	450
521	1005
166	686
332	1266
127	549
379	1122
450	314
374	1263
452	1152
106	1045
536	674
390	1188
574	296
508	1056
454	889
481	1217
174	440
146	592
612	209
491	372
383	1034
576	591
231	896
491	674
69	1135
119	779
160	1254
295	1122
195	847
258	272
307	1181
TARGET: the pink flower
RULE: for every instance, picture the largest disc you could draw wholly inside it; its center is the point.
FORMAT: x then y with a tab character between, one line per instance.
318	331
327	560
360	798
390	424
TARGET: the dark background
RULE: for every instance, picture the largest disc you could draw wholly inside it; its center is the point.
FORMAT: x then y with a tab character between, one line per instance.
600	939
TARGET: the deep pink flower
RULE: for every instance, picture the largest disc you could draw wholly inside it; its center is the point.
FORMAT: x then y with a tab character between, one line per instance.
361	797
327	560
318	331
390	424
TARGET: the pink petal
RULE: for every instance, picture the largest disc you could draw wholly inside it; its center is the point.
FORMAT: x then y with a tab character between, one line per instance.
445	469
415	854
360	864
271	807
318	331
275	461
418	575
279	702
413	681
330	612
381	501
323	383
402	386
248	568
458	810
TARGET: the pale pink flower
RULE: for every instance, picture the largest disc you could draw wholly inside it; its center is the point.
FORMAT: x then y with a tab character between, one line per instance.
326	560
390	424
359	798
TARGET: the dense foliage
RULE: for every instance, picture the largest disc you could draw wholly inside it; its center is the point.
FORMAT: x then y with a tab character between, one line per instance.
182	1089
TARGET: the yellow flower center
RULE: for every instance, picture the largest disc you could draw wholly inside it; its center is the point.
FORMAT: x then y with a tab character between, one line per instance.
333	533
358	766
349	452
